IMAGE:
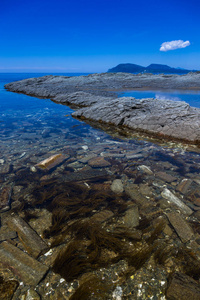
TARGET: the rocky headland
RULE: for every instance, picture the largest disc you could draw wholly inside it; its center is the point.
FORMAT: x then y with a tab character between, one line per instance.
95	98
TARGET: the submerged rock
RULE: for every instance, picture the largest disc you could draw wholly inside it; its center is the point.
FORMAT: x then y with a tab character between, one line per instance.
5	195
27	269
181	227
117	186
175	200
98	162
31	241
51	161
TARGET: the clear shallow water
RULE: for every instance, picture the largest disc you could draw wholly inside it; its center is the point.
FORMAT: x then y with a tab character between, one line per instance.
190	97
21	114
27	122
33	129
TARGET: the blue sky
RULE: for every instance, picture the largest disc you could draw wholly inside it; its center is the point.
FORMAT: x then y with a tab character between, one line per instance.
93	36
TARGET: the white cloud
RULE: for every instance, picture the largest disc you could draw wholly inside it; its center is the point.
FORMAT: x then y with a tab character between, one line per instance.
174	45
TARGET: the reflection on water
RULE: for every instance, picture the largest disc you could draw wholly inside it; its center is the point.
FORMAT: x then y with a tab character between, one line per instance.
104	208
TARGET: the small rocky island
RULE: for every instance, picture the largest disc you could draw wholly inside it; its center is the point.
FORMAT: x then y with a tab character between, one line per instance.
95	98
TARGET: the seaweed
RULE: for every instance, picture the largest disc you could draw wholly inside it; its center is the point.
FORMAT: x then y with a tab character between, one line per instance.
189	262
144	223
124	275
94	287
163	253
139	257
28	215
72	261
156	232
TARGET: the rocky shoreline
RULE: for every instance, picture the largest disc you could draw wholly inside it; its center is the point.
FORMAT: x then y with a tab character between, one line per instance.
96	95
87	216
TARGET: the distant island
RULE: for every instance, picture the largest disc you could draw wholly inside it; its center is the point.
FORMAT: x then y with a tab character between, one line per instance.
153	68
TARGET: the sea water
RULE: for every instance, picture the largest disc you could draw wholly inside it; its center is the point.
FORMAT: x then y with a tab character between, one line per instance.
29	124
32	130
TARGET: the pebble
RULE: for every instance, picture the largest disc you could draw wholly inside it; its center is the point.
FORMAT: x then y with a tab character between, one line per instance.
117	186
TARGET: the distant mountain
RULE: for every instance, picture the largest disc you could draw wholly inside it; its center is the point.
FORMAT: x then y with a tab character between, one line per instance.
153	68
127	68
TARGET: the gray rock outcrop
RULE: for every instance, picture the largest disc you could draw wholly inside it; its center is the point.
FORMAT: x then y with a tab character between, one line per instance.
99	84
95	97
164	118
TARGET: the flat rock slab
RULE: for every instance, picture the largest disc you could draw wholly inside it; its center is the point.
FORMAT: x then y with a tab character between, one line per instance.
52	86
181	227
184	185
98	162
6	233
27	269
166	177
163	118
84	175
31	241
168	195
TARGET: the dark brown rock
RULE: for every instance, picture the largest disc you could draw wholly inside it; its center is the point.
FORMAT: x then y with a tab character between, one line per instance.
102	216
132	191
84	175
5	169
6	233
165	177
98	162
184	185
181	227
26	268
5	195
195	197
31	241
183	287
